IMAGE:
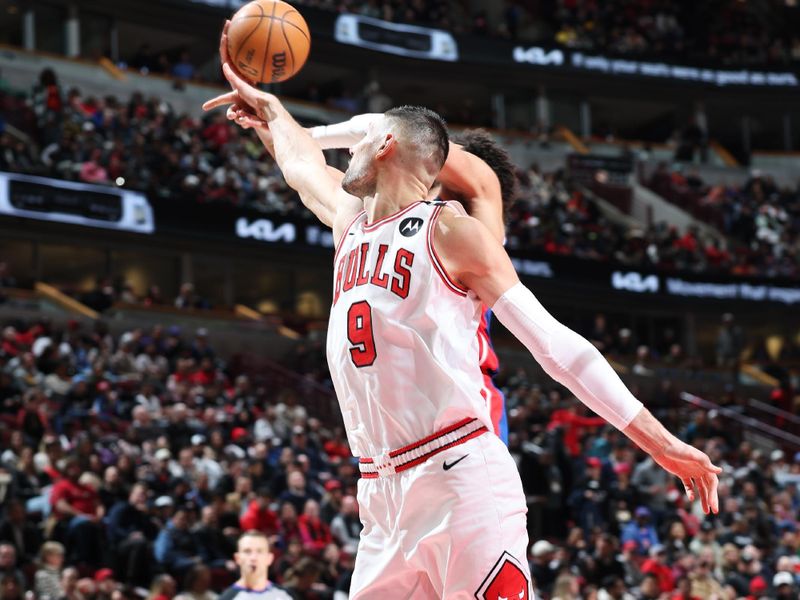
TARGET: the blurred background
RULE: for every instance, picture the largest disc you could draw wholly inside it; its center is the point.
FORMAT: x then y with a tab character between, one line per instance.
164	295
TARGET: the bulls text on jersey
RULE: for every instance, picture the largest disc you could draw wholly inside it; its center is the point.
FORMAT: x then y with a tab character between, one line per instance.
355	269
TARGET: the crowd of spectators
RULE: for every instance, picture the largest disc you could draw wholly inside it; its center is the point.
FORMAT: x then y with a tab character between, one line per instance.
144	145
761	219
132	463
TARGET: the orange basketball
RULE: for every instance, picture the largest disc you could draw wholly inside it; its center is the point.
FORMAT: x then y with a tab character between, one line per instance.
268	41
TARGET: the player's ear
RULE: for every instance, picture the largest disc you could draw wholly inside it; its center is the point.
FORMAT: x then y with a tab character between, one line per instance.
387	147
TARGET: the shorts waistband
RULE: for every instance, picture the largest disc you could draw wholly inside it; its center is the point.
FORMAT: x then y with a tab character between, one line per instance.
402	459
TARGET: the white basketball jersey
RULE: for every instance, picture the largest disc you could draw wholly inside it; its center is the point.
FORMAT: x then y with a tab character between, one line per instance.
402	344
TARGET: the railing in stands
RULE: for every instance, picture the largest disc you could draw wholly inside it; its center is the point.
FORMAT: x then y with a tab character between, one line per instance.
774	411
757	432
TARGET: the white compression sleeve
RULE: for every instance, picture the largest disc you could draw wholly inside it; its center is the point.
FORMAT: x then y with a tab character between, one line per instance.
345	134
567	357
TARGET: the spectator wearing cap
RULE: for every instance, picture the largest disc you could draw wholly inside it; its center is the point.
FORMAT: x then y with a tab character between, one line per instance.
130	531
641	530
346	526
630	559
160	477
784	586
543	571
105	584
175	548
704	584
332	500
706	542
622	496
590	499
314	532
758	588
656	564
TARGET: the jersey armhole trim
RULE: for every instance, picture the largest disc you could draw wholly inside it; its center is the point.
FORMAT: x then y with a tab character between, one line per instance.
344	235
436	261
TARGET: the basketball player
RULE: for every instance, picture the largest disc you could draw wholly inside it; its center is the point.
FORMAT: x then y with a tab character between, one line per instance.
253	556
479	174
442	504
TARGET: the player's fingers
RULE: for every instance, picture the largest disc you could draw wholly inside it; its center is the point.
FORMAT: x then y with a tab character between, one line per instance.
247	92
689	487
702	491
713	486
230	97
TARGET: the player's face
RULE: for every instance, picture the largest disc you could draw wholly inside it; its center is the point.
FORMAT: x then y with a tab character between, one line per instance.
361	176
253	556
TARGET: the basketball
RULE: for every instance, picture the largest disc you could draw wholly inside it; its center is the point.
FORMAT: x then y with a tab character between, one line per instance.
268	41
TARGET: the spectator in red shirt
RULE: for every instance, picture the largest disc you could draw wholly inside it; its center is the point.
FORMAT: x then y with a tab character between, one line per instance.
258	515
76	503
314	532
573	425
656	565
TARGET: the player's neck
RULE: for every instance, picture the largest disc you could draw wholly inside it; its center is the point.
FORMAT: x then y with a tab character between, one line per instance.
393	193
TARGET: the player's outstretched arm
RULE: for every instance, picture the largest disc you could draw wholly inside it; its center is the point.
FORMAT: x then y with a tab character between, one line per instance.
298	156
475	259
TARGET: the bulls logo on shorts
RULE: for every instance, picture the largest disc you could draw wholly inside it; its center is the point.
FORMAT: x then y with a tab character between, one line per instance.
506	581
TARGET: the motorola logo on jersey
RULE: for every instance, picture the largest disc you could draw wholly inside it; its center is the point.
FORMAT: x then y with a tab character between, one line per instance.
410	227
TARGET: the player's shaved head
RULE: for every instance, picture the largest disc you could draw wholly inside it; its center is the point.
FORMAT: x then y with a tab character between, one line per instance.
425	131
411	139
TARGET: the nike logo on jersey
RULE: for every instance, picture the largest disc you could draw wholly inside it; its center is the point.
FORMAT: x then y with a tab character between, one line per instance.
410	227
447	467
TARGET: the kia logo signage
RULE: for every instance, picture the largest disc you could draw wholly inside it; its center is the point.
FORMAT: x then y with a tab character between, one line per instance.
635	282
265	230
539	56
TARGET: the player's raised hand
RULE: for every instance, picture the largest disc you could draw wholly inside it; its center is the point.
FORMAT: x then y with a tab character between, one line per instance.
695	470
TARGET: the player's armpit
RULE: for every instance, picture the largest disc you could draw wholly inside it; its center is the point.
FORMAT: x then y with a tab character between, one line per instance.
477	185
473	256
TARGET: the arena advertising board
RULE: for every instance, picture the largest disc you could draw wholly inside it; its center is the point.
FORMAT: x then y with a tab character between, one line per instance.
420	42
77	203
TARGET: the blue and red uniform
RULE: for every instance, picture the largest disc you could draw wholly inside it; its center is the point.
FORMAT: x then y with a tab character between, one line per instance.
489	365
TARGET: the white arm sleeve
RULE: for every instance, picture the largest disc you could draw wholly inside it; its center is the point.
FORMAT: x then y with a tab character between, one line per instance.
345	134
567	357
